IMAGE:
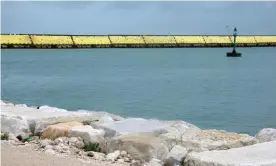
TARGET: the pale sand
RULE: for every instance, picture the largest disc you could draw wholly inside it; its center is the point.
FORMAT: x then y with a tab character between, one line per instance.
27	156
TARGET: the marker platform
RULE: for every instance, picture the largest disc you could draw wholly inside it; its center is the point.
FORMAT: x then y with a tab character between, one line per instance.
233	54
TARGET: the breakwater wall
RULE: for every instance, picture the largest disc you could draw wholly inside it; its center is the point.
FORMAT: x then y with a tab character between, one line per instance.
131	41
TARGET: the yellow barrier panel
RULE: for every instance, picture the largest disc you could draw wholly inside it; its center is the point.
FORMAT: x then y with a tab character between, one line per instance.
244	39
99	40
127	39
15	39
190	39
217	39
159	39
265	39
60	40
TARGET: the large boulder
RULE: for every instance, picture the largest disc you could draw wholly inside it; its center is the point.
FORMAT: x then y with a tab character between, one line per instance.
203	140
133	125
140	147
87	133
39	124
266	135
59	130
140	125
38	118
176	156
18	125
177	131
263	154
6	103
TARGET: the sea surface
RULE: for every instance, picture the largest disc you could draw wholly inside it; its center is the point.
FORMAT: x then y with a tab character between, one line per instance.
201	86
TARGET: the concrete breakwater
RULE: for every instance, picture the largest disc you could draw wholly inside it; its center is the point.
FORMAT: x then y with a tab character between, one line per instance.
132	41
135	141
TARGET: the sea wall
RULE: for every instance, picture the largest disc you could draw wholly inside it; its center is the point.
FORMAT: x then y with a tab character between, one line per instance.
131	41
132	141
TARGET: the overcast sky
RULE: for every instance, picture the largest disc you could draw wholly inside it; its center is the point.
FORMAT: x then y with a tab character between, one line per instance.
137	17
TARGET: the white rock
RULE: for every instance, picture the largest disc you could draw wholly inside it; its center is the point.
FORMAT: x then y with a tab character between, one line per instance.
180	127
134	125
43	143
203	140
135	163
124	153
128	155
266	135
17	125
113	156
47	147
7	103
38	119
50	151
87	133
65	148
74	150
175	156
2	102
12	137
263	154
79	144
61	144
98	156
120	161
126	159
81	153
73	140
58	148
174	133
65	139
155	162
140	147
58	141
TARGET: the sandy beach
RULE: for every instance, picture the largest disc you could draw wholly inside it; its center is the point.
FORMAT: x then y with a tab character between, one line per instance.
27	156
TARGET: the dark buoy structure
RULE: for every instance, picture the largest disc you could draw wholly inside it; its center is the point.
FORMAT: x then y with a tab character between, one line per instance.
234	53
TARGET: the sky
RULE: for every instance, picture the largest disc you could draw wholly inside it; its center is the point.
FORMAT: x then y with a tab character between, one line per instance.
140	17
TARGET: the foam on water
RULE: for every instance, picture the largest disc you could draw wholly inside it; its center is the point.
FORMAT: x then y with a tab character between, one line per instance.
51	109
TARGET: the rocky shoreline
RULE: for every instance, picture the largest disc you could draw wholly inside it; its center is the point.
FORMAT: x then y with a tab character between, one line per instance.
111	139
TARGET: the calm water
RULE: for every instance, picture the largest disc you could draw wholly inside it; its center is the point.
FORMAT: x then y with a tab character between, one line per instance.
200	86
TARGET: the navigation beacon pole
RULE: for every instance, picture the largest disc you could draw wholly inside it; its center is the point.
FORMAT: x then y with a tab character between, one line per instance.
234	53
235	37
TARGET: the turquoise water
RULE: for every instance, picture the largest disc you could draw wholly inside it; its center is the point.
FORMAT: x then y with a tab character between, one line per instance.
200	86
